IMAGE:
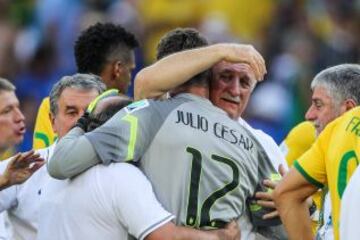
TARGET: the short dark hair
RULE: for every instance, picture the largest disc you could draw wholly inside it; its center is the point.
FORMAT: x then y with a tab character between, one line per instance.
181	39
98	119
99	44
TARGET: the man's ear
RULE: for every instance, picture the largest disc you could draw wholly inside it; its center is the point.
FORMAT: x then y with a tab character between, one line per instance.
347	105
117	69
52	120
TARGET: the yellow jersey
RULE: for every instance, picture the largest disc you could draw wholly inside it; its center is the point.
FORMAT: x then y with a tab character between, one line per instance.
296	143
333	158
44	135
8	153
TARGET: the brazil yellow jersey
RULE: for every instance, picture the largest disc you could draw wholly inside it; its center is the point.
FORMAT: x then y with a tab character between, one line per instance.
44	135
296	143
8	153
333	158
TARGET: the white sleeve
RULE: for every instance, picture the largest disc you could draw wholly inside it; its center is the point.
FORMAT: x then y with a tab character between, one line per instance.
136	205
350	209
272	149
8	195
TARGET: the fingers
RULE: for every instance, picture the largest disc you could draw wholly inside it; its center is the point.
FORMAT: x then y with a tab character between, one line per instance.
273	214
270	184
264	196
36	166
282	170
266	204
256	61
24	159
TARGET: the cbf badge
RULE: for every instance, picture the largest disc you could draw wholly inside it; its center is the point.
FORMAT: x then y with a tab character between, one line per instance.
137	105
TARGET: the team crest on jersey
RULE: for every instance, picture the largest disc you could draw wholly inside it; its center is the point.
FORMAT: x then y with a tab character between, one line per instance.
137	105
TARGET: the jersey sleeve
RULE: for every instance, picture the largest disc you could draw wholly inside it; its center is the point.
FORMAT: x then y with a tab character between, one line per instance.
126	136
8	196
135	203
298	141
44	135
311	165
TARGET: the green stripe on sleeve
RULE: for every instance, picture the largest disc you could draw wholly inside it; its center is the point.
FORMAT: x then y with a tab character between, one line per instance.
307	176
133	133
42	137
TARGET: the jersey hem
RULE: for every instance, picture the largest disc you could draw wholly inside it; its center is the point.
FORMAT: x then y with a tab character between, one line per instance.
307	176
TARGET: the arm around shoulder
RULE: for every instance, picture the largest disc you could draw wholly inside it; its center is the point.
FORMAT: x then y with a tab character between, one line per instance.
73	154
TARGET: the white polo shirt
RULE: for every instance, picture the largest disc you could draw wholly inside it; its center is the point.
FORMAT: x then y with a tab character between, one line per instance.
105	202
271	148
23	201
350	209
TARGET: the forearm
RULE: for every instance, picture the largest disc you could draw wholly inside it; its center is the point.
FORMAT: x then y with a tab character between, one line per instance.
73	154
172	232
174	70
295	216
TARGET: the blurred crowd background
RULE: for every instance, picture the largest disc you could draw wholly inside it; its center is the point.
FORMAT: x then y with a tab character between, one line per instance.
298	38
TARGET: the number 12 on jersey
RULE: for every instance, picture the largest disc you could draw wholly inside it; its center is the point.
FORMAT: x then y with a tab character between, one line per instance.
204	220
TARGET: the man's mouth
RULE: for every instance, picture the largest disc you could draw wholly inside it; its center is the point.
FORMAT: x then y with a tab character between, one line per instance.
234	100
20	131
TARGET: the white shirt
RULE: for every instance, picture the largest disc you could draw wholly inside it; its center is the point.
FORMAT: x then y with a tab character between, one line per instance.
5	228
22	201
350	209
275	155
271	148
105	202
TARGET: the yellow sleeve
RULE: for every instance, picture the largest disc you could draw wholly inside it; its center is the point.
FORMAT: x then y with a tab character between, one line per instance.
312	163
298	141
44	135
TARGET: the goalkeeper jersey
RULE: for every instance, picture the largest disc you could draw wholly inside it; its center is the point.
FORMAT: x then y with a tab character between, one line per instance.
44	135
333	158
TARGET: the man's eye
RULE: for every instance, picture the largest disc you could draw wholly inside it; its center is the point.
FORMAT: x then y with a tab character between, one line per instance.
5	111
245	83
225	77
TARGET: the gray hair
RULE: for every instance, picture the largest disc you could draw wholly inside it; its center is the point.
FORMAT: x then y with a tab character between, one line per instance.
341	82
6	85
77	81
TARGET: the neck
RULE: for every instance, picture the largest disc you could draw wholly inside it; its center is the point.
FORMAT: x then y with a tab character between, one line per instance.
196	90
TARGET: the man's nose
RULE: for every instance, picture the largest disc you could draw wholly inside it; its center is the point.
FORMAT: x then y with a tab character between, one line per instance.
234	87
310	114
19	116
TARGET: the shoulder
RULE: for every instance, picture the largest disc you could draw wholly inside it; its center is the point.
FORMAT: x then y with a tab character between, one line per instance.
45	105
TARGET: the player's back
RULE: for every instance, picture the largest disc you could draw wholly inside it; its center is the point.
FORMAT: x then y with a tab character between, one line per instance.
93	205
203	165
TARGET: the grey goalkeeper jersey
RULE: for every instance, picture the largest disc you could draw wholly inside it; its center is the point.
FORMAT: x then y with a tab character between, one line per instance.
204	167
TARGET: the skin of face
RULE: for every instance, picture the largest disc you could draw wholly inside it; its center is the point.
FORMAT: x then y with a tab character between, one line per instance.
12	121
72	104
231	87
323	109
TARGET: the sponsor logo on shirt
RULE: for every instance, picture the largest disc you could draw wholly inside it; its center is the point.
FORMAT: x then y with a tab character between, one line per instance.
137	106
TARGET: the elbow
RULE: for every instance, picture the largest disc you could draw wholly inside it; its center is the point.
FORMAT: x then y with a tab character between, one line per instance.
140	83
54	171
